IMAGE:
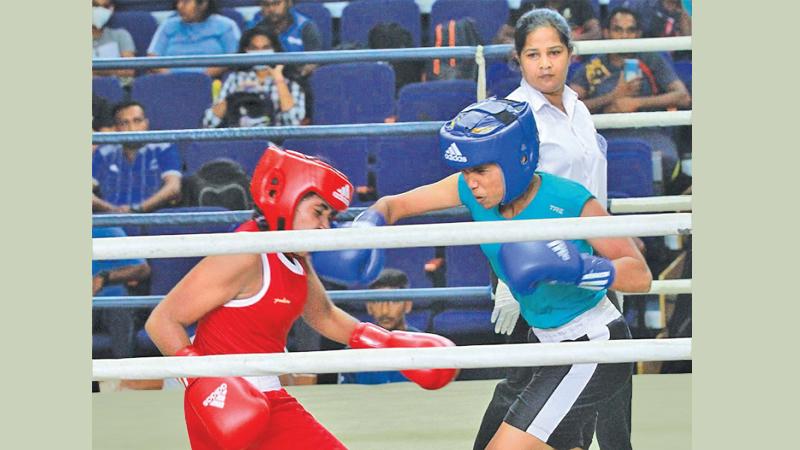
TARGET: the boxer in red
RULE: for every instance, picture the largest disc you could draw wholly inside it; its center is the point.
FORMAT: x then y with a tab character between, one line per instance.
246	303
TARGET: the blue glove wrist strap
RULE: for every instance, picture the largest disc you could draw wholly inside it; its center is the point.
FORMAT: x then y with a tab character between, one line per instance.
598	272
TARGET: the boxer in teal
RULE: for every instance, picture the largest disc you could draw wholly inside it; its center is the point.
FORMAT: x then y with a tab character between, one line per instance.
559	284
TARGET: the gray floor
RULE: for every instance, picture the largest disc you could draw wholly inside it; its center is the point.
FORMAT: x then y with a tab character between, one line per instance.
386	417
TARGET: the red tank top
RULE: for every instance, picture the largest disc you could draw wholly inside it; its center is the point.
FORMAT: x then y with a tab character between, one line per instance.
258	324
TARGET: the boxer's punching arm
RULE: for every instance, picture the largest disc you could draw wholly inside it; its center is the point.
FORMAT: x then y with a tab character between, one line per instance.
368	335
442	194
353	267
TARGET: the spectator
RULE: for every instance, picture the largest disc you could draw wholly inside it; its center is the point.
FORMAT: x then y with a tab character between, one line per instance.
101	116
389	315
579	15
393	35
664	18
600	82
258	95
120	277
197	30
110	42
661	18
134	178
114	278
102	121
297	32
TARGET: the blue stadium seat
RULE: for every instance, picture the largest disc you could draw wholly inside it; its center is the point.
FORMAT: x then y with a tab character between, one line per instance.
246	153
456	323
101	345
499	70
350	155
502	88
630	168
239	3
419	319
360	16
489	15
140	24
573	66
353	93
466	266
101	338
235	15
146	347
406	162
596	9
616	4
174	100
108	88
684	71
524	5
166	272
434	100
321	17
411	261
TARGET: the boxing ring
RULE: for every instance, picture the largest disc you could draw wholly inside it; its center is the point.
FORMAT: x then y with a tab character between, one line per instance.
398	415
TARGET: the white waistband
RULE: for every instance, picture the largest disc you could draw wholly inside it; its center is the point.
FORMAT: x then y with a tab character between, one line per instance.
600	315
265	383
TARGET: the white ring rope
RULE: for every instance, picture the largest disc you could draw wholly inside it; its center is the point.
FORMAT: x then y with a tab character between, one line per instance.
667	287
642	119
665	44
401	236
465	357
650	204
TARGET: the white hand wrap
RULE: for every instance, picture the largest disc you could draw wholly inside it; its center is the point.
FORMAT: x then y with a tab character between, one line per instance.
506	310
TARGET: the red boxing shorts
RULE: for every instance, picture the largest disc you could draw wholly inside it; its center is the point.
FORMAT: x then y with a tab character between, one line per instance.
289	426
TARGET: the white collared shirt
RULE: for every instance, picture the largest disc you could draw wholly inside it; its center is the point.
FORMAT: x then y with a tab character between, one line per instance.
568	143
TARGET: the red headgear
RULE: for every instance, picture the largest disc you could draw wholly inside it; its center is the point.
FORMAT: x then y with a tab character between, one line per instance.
283	177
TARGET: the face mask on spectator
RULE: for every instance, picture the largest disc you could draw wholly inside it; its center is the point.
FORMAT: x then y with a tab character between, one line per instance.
262	52
100	16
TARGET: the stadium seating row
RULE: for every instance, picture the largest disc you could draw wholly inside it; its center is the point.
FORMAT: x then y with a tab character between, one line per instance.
343	93
357	18
360	92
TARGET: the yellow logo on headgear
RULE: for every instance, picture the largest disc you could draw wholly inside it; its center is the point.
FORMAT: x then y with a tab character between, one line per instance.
484	130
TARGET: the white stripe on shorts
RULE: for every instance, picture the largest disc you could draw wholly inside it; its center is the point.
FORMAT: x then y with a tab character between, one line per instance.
567	392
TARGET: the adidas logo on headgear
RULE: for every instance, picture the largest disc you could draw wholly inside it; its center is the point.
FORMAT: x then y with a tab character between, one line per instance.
454	154
343	194
217	398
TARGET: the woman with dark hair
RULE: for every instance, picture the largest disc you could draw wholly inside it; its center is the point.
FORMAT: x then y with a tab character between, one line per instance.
259	95
196	30
569	147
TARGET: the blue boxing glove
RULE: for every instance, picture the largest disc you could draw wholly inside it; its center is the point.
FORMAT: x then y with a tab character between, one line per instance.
526	264
353	267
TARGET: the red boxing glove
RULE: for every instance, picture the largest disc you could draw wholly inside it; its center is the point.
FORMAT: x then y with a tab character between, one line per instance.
368	335
231	409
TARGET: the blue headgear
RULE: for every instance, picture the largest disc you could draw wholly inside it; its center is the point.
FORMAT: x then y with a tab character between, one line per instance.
494	131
